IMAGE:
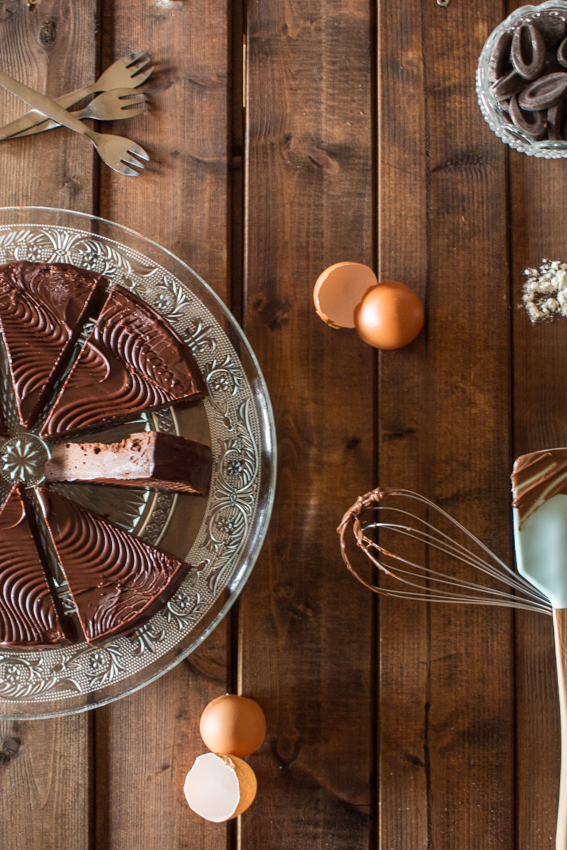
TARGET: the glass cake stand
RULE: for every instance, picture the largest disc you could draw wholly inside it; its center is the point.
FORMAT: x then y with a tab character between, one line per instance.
220	536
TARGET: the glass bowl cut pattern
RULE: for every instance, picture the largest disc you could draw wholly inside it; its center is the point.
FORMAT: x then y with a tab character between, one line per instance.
220	536
493	113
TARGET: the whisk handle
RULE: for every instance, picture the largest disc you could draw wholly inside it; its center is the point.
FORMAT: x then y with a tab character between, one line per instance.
560	629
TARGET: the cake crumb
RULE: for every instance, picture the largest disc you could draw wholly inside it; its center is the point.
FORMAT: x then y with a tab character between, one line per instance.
545	290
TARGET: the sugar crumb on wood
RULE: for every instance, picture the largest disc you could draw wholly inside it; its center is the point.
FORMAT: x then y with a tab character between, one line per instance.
545	290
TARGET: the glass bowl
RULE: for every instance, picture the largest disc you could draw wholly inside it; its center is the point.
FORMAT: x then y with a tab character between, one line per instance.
493	113
220	536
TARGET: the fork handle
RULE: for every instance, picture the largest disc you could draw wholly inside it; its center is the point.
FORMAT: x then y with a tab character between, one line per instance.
46	106
52	125
560	630
35	119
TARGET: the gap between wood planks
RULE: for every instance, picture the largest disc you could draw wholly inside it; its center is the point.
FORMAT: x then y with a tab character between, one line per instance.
99	729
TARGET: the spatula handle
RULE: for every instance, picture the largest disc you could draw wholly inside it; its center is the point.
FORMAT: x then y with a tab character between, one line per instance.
560	628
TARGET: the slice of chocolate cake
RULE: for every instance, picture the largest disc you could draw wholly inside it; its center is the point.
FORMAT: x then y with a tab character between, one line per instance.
132	360
116	580
148	459
28	618
43	307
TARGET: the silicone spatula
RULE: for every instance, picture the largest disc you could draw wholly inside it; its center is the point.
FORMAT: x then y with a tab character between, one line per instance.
539	486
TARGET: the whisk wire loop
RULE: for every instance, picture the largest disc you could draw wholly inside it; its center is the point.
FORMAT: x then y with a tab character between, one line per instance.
419	582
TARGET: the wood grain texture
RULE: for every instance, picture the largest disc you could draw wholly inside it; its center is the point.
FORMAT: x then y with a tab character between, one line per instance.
305	624
145	746
45	771
54	50
540	354
440	722
146	743
182	200
471	656
446	676
403	254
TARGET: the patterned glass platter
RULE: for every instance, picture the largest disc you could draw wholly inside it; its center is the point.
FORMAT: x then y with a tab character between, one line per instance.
220	536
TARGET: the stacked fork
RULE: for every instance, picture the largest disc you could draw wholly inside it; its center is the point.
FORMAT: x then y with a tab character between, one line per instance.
116	100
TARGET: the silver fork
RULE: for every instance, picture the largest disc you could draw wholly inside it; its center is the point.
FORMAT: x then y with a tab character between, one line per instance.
129	72
116	151
112	105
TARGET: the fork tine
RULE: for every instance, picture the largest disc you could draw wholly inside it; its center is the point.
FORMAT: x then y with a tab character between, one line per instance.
131	160
140	79
133	97
143	63
136	150
133	57
132	111
123	169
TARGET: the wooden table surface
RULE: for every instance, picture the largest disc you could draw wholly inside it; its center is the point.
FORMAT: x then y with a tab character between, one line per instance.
391	725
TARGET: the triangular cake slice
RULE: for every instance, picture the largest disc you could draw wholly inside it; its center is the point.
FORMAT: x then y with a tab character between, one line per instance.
43	307
28	617
132	361
145	459
116	580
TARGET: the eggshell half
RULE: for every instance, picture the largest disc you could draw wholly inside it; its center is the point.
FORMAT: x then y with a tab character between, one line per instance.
339	290
220	787
389	316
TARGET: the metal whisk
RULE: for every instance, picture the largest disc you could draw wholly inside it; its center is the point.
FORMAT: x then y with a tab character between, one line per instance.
416	581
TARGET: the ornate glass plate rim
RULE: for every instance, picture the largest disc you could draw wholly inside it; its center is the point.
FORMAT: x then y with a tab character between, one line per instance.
50	683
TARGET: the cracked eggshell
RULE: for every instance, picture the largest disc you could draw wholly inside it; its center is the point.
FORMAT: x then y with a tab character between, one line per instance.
339	290
233	724
219	787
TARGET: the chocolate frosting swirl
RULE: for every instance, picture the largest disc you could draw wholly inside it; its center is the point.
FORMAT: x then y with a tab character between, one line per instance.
537	477
116	580
42	310
27	612
132	361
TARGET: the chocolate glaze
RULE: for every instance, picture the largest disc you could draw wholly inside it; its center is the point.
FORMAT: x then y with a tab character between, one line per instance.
132	361
42	309
164	461
28	618
537	477
117	582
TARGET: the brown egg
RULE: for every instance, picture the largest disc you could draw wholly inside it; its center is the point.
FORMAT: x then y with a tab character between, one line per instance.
389	316
233	725
339	290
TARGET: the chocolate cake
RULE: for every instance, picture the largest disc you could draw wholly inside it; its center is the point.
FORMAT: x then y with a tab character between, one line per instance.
116	580
28	618
43	307
147	459
132	361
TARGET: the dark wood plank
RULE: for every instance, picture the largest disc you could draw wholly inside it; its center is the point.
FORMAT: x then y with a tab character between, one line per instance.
145	746
52	49
540	354
472	701
305	624
146	743
402	794
446	675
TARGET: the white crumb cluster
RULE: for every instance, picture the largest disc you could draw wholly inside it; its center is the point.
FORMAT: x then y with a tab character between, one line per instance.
545	291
